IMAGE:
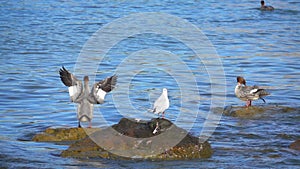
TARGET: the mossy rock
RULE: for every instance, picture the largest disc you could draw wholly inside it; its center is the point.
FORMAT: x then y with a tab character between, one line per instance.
252	111
295	145
63	134
131	139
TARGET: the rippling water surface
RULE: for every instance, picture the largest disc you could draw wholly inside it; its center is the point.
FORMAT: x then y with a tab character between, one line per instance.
38	37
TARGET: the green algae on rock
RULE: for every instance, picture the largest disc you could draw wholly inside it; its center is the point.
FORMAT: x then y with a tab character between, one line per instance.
252	111
131	139
295	145
63	134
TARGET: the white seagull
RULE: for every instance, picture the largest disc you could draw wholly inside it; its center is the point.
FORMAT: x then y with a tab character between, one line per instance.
248	93
82	95
162	103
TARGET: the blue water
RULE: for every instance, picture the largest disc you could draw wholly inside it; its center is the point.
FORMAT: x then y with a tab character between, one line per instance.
38	37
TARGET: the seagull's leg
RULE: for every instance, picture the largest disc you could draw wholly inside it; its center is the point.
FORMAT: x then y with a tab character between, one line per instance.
163	115
79	126
250	101
90	124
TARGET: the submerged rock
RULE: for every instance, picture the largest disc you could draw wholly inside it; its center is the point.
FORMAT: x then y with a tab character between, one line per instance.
131	139
295	145
242	111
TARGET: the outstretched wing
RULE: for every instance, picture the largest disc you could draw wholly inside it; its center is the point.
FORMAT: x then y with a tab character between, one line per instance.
101	88
74	85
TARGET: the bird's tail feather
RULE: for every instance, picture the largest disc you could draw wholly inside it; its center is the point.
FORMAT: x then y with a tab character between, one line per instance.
263	92
263	99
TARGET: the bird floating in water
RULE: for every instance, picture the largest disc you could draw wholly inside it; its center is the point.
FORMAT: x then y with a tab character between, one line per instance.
249	93
162	103
82	95
264	7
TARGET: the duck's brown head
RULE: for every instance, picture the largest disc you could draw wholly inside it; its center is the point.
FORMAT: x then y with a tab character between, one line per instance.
241	80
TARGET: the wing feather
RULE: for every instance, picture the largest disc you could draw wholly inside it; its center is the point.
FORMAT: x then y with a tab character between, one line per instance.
252	92
74	85
101	88
108	84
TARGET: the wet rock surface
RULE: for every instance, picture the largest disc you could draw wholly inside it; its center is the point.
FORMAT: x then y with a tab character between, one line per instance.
130	139
252	111
63	134
295	145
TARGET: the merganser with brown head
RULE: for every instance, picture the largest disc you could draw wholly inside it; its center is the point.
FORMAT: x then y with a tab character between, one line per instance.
248	93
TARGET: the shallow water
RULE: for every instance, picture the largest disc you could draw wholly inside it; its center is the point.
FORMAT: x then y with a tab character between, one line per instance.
38	37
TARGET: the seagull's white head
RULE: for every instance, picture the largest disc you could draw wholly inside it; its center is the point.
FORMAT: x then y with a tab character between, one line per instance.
165	91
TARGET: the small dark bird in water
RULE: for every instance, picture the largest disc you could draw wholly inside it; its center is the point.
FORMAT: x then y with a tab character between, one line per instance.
264	7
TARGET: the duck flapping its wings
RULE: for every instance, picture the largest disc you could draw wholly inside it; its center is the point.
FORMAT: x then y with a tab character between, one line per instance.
76	89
